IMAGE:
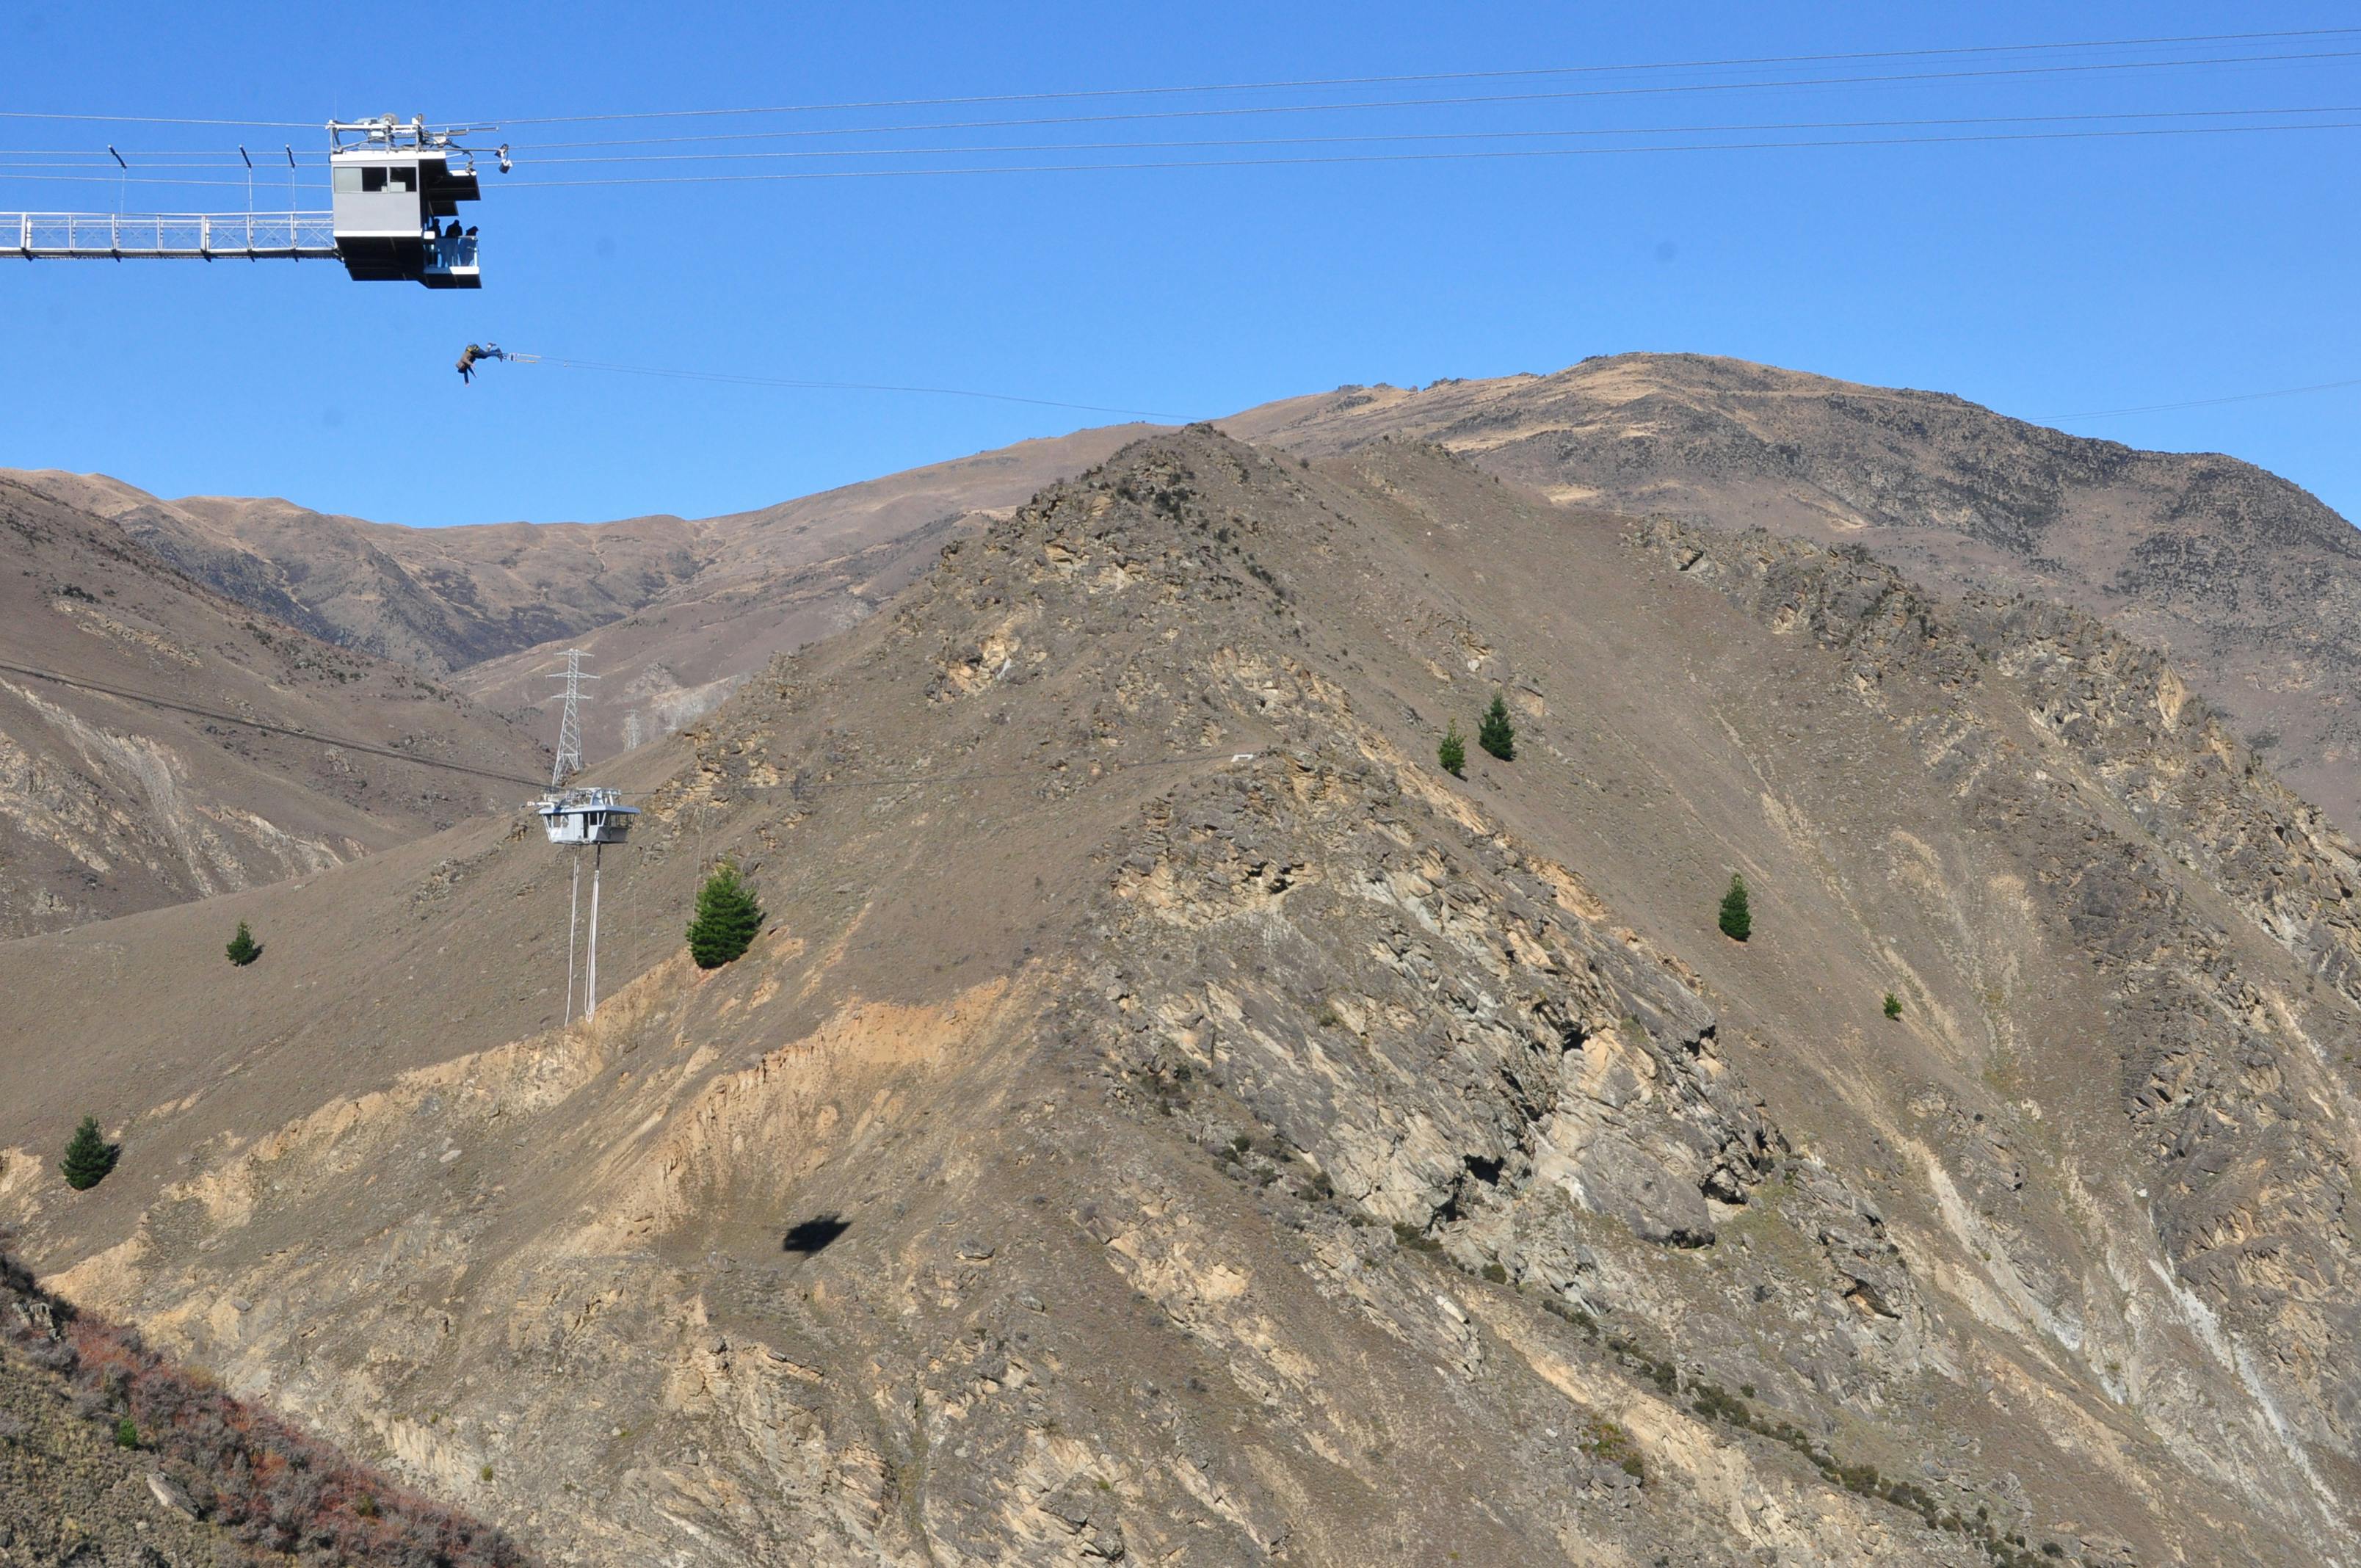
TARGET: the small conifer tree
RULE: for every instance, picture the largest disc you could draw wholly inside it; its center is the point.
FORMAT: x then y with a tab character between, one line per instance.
726	919
89	1156
1737	921
1893	1005
1496	734
127	1433
1452	753
243	949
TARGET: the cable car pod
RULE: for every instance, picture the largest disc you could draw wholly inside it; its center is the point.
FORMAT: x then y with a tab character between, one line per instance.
395	191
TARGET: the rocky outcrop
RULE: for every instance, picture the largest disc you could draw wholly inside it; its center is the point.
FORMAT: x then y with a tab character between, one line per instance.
2172	855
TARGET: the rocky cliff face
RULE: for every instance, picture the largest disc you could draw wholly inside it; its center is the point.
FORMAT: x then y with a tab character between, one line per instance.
2251	584
1168	1119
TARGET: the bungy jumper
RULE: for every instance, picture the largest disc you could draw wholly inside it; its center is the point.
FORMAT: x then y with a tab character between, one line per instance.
474	354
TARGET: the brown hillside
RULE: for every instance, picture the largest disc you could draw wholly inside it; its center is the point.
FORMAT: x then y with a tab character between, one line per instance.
109	805
781	578
2250	584
1118	1147
673	613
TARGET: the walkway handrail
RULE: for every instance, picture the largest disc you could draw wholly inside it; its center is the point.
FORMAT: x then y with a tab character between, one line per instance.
120	235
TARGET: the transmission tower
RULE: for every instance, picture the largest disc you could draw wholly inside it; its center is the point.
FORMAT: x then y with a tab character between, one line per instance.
570	721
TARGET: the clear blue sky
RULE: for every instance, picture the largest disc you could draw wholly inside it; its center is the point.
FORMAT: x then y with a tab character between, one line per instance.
2042	277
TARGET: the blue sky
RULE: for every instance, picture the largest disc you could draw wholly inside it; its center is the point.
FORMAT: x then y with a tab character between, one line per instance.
2043	278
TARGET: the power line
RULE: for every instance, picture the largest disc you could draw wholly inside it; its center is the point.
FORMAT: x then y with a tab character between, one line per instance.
2200	403
152	700
1435	76
1500	154
799	385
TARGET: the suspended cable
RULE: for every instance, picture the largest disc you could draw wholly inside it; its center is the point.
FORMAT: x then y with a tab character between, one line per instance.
1499	154
1302	161
2200	403
1359	137
158	120
1365	138
1436	76
1557	96
799	385
1106	766
96	178
371	748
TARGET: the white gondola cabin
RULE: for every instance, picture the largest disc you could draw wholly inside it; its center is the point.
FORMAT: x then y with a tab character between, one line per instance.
586	817
395	192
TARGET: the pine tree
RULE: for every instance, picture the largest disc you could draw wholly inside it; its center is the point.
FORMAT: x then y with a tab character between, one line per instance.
243	947
89	1156
1893	1005
1452	753
1497	735
1737	923
726	919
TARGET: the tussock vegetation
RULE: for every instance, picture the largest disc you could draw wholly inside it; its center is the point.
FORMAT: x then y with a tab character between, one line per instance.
247	1472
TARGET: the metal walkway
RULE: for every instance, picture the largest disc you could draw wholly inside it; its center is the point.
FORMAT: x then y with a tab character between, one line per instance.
196	236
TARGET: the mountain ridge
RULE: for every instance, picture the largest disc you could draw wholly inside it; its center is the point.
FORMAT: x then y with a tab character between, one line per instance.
1288	1150
2248	581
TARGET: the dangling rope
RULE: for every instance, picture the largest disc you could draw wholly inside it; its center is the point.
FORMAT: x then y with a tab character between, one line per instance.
573	920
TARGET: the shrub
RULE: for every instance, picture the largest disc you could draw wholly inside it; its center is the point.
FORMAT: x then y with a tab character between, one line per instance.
1893	1005
88	1157
1737	921
243	949
1496	734
1415	1239
726	919
127	1433
1452	753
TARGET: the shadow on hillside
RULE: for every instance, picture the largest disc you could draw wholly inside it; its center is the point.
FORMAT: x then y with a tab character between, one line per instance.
806	1237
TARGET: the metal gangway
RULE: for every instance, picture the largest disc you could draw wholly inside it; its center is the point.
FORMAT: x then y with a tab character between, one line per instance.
197	236
395	191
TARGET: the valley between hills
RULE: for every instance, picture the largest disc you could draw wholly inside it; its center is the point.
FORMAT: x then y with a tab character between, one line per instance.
1168	1118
